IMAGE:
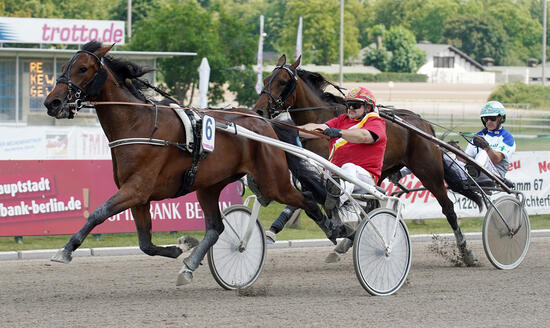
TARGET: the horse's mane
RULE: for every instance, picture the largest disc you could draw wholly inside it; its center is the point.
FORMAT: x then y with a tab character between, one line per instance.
318	84
126	72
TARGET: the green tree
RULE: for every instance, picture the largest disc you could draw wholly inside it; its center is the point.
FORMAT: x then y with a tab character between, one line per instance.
361	11
399	52
140	10
388	12
273	24
378	57
426	17
521	29
75	9
406	56
183	25
321	26
478	37
376	33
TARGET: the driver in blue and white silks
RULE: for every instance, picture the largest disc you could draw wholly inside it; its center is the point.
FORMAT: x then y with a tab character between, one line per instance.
492	147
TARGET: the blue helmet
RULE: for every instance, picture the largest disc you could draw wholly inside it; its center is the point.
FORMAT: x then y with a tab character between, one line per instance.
493	108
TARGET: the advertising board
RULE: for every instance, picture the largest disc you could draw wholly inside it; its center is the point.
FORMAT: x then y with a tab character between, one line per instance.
62	31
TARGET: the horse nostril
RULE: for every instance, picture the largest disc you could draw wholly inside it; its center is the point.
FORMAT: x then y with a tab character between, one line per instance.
54	104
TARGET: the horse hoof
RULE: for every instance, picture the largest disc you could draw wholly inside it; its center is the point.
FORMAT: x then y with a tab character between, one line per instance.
468	257
343	246
332	257
185	276
62	256
270	237
185	243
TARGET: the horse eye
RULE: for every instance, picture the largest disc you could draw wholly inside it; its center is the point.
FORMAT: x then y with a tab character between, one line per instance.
281	83
83	69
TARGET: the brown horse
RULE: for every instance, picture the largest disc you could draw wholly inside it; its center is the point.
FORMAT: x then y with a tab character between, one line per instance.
288	88
145	172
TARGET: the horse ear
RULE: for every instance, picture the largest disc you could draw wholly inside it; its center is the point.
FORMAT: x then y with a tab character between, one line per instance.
296	63
282	60
103	51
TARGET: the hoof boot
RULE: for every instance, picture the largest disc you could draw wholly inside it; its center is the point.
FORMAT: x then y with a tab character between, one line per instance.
467	256
343	246
62	256
270	237
185	276
332	257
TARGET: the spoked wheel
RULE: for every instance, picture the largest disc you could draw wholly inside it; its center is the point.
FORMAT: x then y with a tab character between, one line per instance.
506	240
381	271
232	265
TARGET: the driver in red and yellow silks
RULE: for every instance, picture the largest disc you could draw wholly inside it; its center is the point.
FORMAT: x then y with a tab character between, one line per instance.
357	144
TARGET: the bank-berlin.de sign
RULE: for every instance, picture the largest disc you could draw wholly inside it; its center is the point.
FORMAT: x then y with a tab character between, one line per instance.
64	31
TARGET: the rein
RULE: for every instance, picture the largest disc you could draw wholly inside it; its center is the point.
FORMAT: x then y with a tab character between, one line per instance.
462	134
92	104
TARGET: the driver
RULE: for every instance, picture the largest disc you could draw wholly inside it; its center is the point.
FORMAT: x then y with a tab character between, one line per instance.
357	145
493	146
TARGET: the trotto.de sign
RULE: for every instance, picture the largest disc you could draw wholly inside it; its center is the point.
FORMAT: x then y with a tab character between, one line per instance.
67	31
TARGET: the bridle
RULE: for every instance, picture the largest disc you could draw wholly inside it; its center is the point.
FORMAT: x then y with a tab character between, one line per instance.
276	106
95	83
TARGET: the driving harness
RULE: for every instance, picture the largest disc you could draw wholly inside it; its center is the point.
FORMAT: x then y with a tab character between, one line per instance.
191	120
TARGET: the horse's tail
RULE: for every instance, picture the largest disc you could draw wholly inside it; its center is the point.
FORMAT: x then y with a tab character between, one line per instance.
457	184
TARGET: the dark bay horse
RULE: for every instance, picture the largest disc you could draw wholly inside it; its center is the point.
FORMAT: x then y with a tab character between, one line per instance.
288	87
145	172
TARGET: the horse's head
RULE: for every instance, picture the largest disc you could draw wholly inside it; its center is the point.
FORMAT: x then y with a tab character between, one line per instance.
83	78
279	89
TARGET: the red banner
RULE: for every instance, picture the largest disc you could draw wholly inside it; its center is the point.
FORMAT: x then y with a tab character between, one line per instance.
50	197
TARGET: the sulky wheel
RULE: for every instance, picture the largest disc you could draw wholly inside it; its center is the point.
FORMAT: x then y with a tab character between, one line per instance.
232	265
382	270
506	240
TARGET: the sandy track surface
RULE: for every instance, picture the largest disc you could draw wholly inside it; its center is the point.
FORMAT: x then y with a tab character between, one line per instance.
296	288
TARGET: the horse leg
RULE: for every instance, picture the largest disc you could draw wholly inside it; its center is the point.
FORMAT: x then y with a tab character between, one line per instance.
447	206
142	219
208	199
467	254
305	200
282	219
310	179
119	202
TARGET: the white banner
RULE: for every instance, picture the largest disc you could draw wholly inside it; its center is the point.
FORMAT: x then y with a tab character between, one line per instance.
529	171
48	142
65	31
299	40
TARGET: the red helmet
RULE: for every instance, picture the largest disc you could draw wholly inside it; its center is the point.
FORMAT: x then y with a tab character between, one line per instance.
362	94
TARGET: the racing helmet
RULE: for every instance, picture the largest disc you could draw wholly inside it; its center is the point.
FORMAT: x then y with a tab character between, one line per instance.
493	108
363	95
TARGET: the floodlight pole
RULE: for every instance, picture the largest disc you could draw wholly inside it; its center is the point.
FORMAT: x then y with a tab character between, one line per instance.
341	74
129	14
543	40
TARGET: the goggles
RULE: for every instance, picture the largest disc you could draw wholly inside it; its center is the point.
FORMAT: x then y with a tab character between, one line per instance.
356	104
489	118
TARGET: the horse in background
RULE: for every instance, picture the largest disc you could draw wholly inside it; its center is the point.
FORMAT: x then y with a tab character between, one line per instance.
303	94
151	172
